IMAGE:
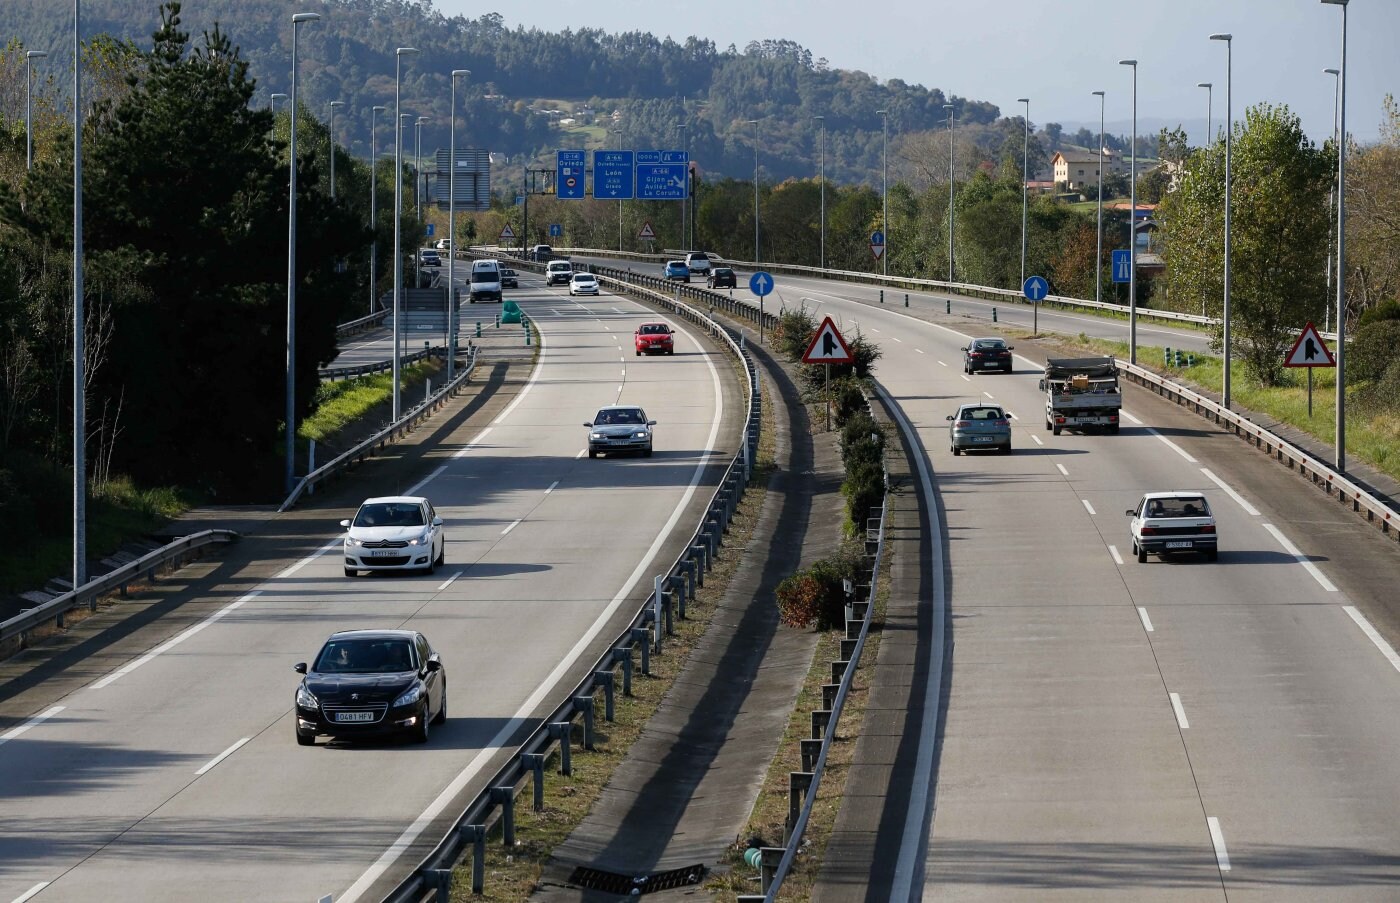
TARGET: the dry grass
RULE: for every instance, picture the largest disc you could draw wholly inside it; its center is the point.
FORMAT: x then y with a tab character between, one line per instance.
513	875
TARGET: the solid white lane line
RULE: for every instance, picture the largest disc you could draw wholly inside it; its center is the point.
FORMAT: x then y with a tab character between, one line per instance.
1146	621
470	446
413	490
1113	550
180	637
1036	439
29	894
36	720
1302	559
1088	507
551	487
1386	649
1062	468
448	582
1248	508
1181	721
1217	838
221	756
547	686
1172	445
515	523
1130	416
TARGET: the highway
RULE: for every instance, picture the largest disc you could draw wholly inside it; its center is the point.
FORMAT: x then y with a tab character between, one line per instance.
1173	730
176	776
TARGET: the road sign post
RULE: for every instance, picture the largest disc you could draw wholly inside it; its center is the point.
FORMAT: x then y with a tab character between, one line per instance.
1122	267
1309	352
761	284
1035	290
507	234
877	244
828	347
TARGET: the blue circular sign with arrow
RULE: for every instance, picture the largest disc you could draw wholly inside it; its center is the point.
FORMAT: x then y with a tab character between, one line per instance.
761	283
1036	288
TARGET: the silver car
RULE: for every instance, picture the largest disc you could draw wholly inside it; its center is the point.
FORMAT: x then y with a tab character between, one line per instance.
979	426
619	428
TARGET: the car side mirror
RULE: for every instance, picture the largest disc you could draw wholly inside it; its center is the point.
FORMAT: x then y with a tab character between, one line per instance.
434	665
651	423
299	667
437	522
1130	512
345	524
1042	385
962	349
589	425
1010	347
949	417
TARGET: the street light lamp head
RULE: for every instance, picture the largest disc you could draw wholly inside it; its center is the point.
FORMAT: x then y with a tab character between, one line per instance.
299	18
35	54
1132	63
1223	37
1023	100
1336	2
380	109
403	51
279	96
1332	71
1204	85
337	103
458	73
1096	93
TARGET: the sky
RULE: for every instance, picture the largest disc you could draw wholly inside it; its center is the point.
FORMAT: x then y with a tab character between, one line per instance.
1056	53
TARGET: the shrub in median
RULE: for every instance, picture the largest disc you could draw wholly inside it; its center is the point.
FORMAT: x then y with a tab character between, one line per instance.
817	596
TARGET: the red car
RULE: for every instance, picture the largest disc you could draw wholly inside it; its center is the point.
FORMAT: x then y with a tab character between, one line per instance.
654	338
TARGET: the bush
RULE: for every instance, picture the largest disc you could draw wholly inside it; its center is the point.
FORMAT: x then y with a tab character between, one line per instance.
817	596
848	400
862	440
794	333
1386	310
865	490
1373	350
799	600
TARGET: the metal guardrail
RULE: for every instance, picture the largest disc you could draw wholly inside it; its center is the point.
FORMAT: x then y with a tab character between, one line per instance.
391	432
119	579
1365	504
362	324
336	373
776	862
643	634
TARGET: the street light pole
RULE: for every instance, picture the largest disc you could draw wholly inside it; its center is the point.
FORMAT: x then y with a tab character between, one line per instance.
29	57
951	136
618	133
1025	177
452	225
276	97
755	123
822	141
1132	226
1209	86
79	321
330	140
1098	246
373	209
419	184
1331	200
290	426
1229	133
680	127
399	54
885	190
1341	462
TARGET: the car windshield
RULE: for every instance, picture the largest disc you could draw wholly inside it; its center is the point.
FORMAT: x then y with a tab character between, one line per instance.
654	329
507	272
366	656
390	514
724	271
485	276
1194	506
989	345
619	415
982	414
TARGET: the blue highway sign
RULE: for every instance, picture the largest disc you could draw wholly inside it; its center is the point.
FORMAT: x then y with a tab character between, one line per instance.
1123	266
613	175
555	230
429	227
569	177
1036	288
661	181
761	283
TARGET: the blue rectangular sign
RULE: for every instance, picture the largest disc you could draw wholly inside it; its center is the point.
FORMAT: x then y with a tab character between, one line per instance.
613	177
648	156
1122	266
661	181
569	175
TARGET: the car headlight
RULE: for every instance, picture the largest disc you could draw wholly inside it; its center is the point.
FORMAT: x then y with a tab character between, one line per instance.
640	434
421	539
352	541
596	436
409	696
306	699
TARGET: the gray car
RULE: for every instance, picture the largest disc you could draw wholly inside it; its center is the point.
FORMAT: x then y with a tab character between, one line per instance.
979	426
619	428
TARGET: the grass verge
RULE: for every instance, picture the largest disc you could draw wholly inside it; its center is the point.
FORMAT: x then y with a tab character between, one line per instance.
512	875
341	403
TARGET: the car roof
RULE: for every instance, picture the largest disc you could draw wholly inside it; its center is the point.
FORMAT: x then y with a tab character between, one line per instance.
620	407
584	276
382	634
386	499
1175	494
990	338
980	404
653	323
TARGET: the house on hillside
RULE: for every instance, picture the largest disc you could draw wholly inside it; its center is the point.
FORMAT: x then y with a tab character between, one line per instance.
1075	169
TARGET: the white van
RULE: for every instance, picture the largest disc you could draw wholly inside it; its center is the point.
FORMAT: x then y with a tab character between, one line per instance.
559	272
698	262
485	281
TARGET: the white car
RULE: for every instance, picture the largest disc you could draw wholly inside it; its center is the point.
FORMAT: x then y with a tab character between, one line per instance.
583	284
394	533
1166	522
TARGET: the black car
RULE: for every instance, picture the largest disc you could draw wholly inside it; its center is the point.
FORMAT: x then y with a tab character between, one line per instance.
721	277
509	278
987	354
371	683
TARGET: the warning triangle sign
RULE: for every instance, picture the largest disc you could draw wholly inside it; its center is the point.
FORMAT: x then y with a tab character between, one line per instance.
1310	350
507	232
828	347
647	234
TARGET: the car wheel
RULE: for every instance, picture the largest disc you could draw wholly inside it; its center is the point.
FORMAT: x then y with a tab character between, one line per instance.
431	569
442	710
1113	430
472	300
1056	429
1212	555
1141	553
421	731
592	453
647	452
1006	449
955	450
305	739
442	554
672	351
639	353
351	572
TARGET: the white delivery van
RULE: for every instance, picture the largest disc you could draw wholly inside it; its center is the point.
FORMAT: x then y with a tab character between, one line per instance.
559	272
485	281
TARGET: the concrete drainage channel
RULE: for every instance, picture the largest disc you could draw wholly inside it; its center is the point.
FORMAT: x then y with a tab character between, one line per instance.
554	739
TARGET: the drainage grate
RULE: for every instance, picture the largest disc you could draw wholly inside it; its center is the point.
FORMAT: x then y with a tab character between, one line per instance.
629	885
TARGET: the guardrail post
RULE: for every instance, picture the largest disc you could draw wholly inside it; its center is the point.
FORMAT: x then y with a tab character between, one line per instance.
585	705
829	692
505	797
700	552
799	782
768	867
811	749
476	836
642	638
563	731
677	583
838	669
821	718
535	763
623	657
605	680
667	597
441	881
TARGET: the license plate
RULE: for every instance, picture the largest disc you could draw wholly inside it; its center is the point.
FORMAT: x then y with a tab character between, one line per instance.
354	716
1178	545
384	553
981	438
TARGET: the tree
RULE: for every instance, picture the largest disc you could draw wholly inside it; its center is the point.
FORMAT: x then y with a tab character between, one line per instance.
1278	234
1373	217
